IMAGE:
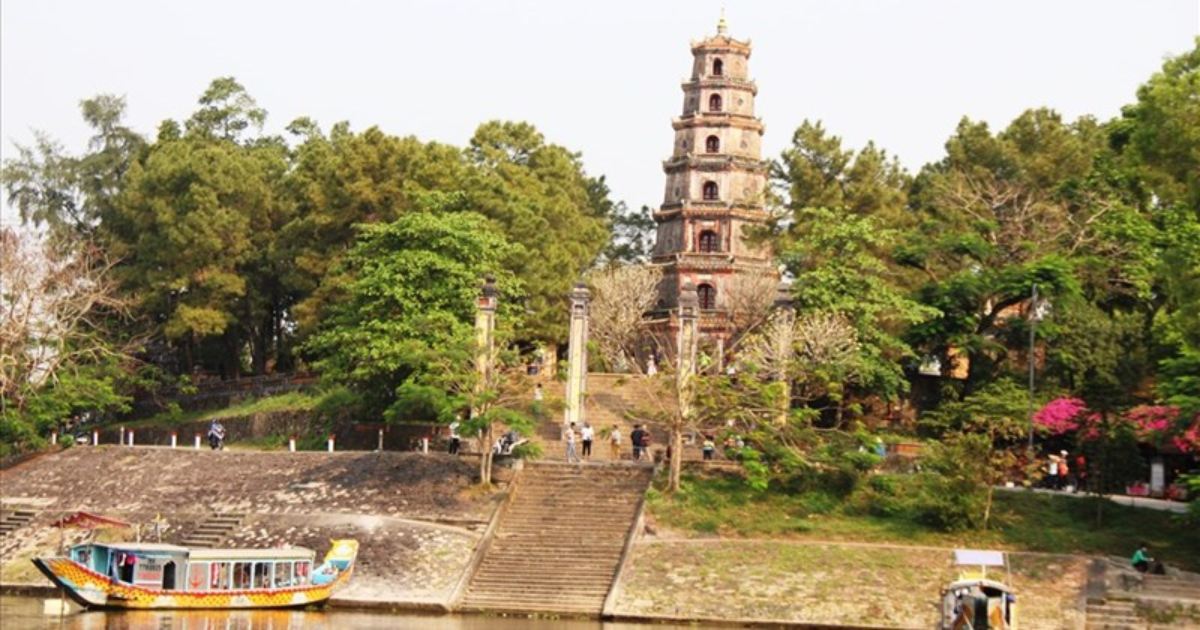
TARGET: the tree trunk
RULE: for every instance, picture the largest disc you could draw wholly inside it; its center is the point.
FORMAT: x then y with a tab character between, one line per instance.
676	462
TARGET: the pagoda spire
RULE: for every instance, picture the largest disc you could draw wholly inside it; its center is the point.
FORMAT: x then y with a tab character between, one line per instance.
722	24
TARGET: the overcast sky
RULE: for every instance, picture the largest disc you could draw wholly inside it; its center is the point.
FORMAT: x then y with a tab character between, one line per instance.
600	78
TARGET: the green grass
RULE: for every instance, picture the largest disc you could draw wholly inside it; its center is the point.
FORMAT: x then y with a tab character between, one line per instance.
1021	521
291	401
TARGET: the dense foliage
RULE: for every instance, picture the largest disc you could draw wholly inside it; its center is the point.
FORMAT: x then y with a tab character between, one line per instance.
360	254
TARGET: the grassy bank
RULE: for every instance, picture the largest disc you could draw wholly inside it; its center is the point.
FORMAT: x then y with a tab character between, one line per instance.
292	401
1022	521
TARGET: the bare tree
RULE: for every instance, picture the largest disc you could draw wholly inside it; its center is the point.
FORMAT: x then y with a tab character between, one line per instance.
749	298
56	301
621	295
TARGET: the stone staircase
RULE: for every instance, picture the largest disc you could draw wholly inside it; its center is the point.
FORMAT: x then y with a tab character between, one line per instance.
213	530
1128	597
560	540
612	399
12	520
1113	615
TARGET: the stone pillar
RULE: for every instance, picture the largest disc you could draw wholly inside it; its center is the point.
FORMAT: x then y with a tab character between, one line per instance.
485	341
577	355
485	329
785	334
689	313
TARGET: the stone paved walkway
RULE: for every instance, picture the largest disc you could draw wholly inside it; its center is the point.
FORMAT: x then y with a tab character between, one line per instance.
828	583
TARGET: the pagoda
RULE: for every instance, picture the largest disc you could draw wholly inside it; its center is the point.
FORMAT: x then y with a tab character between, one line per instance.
716	189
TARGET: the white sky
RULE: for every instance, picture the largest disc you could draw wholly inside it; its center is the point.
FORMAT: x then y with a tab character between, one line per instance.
601	78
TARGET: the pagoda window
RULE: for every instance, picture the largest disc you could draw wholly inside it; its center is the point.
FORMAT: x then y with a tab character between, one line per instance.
712	144
708	297
710	242
711	192
718	67
714	103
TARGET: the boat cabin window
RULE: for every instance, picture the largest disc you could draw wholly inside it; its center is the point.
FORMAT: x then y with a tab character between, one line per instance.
302	571
262	575
220	575
241	575
283	574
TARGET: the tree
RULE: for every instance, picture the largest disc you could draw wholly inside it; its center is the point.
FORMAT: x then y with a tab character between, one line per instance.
1000	214
74	194
343	179
454	388
836	271
409	296
621	296
633	234
541	198
57	355
983	434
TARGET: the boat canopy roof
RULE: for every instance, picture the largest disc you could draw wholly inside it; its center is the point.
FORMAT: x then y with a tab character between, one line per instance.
136	547
979	557
291	553
981	583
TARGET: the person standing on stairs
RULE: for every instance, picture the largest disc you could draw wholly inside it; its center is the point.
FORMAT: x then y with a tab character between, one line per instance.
614	440
635	439
572	454
588	435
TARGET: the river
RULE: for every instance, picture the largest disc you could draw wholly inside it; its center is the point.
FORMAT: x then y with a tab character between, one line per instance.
26	613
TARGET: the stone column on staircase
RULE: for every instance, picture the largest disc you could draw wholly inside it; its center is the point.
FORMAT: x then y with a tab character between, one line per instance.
577	356
485	334
785	313
689	306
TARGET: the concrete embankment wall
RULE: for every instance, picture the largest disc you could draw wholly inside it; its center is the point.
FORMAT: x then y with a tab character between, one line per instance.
417	516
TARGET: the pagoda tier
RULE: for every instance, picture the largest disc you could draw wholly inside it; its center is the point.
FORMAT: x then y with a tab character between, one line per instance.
716	187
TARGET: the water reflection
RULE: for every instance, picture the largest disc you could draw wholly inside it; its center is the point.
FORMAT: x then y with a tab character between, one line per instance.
24	613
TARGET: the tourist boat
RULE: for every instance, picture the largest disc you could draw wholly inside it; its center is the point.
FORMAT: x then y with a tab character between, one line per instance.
976	601
155	575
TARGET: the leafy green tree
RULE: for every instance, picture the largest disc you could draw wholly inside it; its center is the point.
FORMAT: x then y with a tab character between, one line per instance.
452	388
983	435
409	296
633	234
1000	214
74	194
542	199
344	179
836	270
817	172
1157	138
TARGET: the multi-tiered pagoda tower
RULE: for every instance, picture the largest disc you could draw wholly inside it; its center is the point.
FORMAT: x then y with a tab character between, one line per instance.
716	189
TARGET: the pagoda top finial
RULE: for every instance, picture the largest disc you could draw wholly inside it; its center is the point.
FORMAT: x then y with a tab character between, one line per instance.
722	24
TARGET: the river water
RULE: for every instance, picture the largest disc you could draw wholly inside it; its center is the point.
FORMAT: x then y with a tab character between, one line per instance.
26	613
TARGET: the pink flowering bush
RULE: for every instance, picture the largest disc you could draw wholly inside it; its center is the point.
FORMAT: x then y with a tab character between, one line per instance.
1061	415
1151	423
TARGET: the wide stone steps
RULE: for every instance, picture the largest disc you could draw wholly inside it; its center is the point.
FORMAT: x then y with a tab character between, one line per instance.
1170	587
213	530
559	543
14	520
1113	615
612	399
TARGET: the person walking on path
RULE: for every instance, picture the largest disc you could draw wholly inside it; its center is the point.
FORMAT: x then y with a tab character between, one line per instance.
614	441
709	446
1052	473
588	435
572	454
